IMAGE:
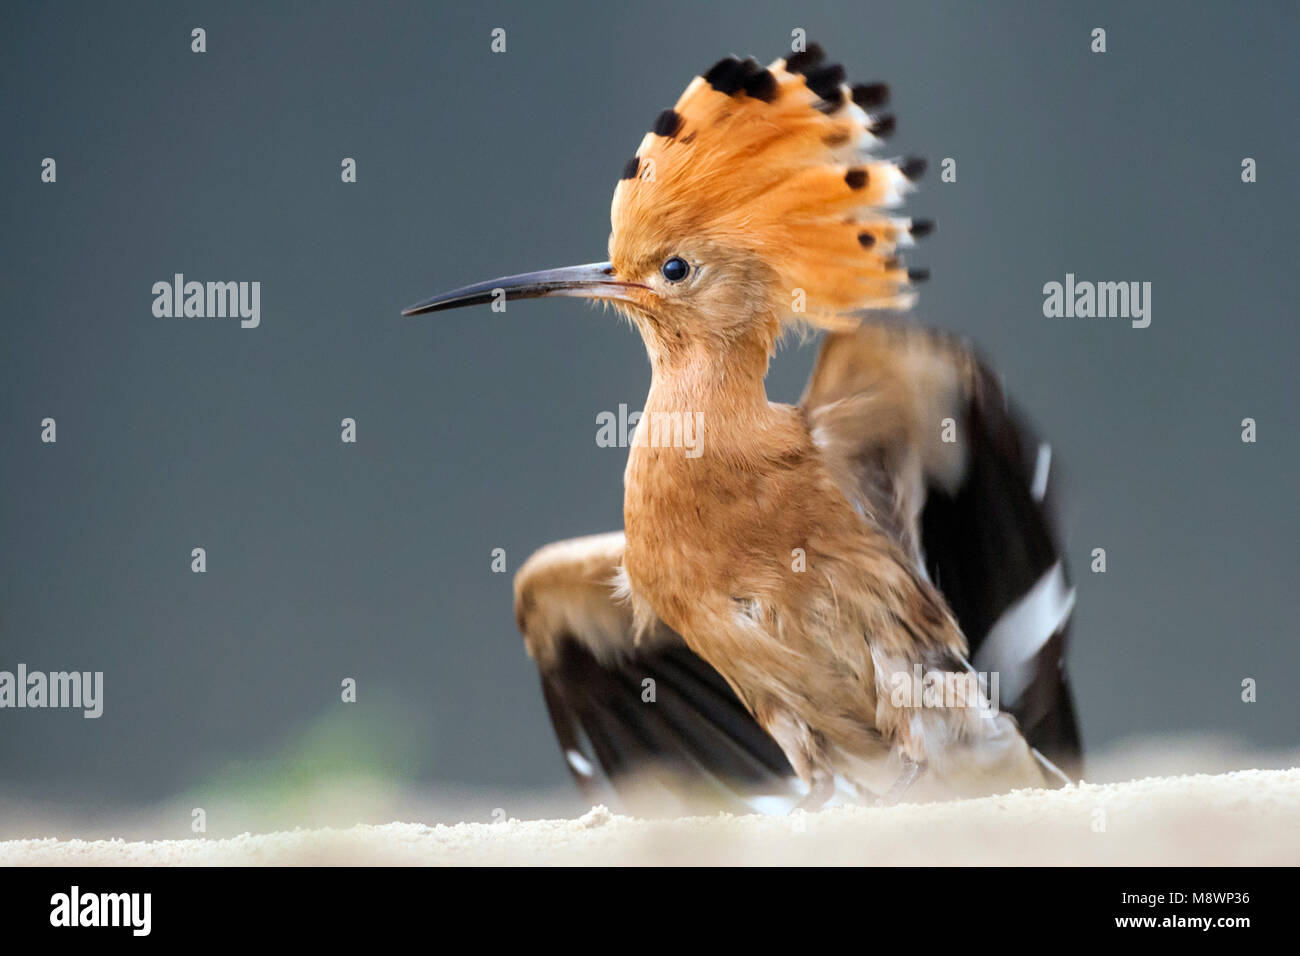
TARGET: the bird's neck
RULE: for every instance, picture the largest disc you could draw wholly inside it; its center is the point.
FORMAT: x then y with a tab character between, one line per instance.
706	419
722	384
685	500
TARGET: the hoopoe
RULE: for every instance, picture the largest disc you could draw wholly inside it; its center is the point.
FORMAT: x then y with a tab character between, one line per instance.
802	604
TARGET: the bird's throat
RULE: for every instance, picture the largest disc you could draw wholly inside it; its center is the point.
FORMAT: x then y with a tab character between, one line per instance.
704	402
706	443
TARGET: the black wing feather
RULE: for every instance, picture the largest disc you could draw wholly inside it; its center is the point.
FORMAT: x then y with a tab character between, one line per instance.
694	747
987	544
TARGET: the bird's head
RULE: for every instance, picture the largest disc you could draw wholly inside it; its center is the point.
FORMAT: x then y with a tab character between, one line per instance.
753	203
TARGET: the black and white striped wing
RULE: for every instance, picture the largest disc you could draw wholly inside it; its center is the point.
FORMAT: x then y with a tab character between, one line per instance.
644	721
924	440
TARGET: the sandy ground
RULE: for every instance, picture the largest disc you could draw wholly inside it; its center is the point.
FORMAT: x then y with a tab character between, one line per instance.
1248	817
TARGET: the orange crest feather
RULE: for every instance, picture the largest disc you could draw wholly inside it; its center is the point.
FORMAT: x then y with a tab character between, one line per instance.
775	162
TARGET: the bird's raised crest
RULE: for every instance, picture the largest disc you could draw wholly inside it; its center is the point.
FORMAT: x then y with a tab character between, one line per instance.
778	161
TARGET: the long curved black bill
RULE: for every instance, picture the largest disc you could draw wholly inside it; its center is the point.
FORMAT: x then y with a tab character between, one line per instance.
595	280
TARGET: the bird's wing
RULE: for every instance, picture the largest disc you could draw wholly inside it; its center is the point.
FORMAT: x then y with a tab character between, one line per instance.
682	743
921	439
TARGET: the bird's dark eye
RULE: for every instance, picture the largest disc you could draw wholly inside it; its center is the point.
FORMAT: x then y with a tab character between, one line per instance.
675	269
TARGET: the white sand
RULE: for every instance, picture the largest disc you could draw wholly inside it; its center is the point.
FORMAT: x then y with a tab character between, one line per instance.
1246	817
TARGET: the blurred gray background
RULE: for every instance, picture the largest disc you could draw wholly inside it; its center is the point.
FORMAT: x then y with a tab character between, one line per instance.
477	430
